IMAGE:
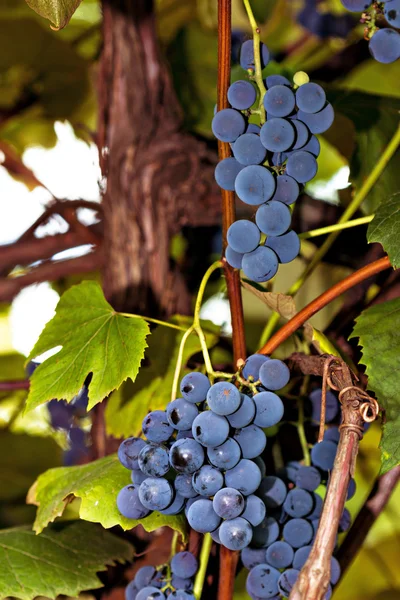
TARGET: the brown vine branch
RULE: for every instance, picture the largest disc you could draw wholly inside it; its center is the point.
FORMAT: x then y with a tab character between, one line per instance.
9	386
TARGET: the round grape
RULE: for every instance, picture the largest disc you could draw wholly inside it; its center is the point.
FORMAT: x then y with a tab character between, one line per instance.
384	46
243	236
322	120
145	576
244	477
266	533
210	429
251	557
247	55
226	172
252	440
254	185
332	434
150	593
277	135
241	95
269	409
287	580
356	5
332	405
252	366
155	426
176	507
234	259
235	534
261	264
186	455
335	570
228	503
155	493
183	485
202	517
253	128
302	134
128	452
225	456
244	414
129	504
181	414
262	581
154	460
254	511
287	189
300	557
323	455
272	491
317	510
228	124
310	98
286	246
279	101
274	374
392	13
313	146
207	480
298	503
276	80
248	149
184	564
345	520
184	585
194	387
279	555
298	532
137	476
302	166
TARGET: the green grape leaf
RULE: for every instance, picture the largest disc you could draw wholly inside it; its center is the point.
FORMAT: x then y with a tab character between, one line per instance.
94	339
385	228
97	485
127	407
63	560
58	12
377	329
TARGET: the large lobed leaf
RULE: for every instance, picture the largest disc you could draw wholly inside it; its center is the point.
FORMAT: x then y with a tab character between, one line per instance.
58	12
385	228
61	561
94	339
97	485
378	330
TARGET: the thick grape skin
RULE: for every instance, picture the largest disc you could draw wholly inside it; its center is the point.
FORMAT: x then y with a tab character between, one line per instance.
228	124
318	122
247	55
202	516
313	146
181	414
287	580
248	149
287	189
279	101
254	511
272	80
155	493
298	532
235	534
243	236
260	265
384	46
186	455
244	415
131	591
274	374
269	409
308	478
130	505
262	581
155	426
251	439
228	503
323	455
128	452
300	557
251	557
286	246
226	172
392	13
150	593
277	135
310	98
194	387
210	429
272	491
154	460
207	480
183	485
298	503
273	218
241	95
302	166
356	5
266	533
332	405
244	477
234	259
184	564
252	366
176	507
137	477
226	455
279	555
254	185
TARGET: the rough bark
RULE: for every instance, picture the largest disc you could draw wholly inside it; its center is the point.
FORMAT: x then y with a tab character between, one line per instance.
158	178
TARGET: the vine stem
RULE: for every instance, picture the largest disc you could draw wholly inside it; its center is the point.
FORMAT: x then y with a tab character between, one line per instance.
151	320
257	59
178	365
336	227
318	303
201	573
9	386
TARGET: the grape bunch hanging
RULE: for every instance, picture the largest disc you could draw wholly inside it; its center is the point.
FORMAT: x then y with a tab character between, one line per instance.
271	163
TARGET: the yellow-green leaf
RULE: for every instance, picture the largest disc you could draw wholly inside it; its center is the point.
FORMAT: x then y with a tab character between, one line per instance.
58	12
385	228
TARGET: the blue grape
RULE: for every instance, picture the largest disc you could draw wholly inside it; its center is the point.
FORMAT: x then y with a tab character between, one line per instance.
244	414
128	452
31	368
189	503
248	149
234	259
302	166
137	476
176	507
274	374
345	520
286	246
262	581
276	80
183	485
244	477
261	465
226	172
228	503
392	13
287	189
317	510
356	5
150	593
278	158
279	555
186	455
251	557
290	470
235	534
207	480
269	409
277	135
298	503
335	570
247	55
251	439
302	134
181	595
155	426
310	98
384	46
313	146
154	460
266	533
131	591
185	433
253	128
351	489
287	580
241	95
323	455
184	585
184	564
332	405
255	185
215	536
308	478
61	414
225	456
332	434
252	366
155	493
202	516
130	505
194	387
228	124
279	101
260	265
254	511
181	414
80	401
243	236
320	121
297	532
210	429
300	557
272	491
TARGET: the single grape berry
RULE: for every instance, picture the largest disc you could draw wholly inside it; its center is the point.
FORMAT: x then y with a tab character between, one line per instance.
251	557
244	414
202	516
266	533
286	246
272	491
356	5
154	460
323	455
235	534
392	13
155	426
130	505
287	580
279	101
273	218
279	555
385	45
226	172
228	124
252	440
207	480
247	55
243	236
194	387
310	98
234	259
254	511
241	94
261	264
181	414
321	121
184	564
226	455
254	185
269	409
277	135
186	455
210	429
302	166
155	493
252	366
244	477
262	581
228	503
274	374
248	149
287	189
302	134
128	452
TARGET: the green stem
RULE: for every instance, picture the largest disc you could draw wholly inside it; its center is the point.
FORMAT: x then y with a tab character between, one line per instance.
336	227
257	59
178	365
302	433
156	321
201	573
174	543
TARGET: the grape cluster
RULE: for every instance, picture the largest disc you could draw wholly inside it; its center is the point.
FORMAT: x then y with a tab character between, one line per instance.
384	44
270	163
323	23
202	455
173	581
